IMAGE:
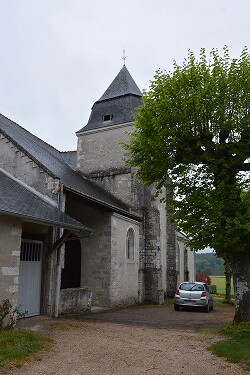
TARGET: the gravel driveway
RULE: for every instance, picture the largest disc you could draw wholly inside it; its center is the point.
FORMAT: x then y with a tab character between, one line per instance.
139	340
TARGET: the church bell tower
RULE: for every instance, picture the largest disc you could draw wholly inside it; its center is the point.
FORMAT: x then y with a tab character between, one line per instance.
100	157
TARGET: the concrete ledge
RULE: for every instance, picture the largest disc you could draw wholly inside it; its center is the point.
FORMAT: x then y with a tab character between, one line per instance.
75	301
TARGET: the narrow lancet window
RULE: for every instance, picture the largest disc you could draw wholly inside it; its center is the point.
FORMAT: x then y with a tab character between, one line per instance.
130	244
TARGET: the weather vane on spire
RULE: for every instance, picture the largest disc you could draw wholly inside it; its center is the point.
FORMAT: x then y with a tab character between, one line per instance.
124	57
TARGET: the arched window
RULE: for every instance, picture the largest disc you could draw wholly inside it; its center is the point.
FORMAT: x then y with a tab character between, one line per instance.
130	250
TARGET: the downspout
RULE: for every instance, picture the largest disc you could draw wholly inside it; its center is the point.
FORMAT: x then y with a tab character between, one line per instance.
58	258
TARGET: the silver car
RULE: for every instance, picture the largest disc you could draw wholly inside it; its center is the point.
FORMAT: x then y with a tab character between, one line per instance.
195	294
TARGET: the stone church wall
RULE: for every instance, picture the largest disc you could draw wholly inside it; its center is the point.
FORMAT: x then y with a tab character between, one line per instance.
185	263
96	249
96	259
100	156
191	264
100	150
171	260
124	272
155	248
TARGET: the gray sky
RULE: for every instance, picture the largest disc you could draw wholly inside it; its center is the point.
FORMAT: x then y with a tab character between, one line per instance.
59	56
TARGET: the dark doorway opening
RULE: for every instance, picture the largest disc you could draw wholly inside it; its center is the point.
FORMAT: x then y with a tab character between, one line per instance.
71	273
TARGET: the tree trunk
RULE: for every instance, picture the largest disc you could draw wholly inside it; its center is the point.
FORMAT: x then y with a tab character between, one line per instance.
240	265
228	275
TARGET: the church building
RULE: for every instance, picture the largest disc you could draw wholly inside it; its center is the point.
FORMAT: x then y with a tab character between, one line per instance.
76	228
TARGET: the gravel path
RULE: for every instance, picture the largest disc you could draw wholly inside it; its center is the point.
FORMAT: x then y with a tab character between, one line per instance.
138	344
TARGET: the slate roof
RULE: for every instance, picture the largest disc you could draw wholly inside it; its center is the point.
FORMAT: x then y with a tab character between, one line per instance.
120	101
52	161
123	84
19	200
70	158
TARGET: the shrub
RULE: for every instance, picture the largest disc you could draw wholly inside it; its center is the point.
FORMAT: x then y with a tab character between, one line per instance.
9	315
213	289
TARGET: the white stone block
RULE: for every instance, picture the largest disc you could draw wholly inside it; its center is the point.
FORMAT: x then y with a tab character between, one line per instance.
15	253
10	271
12	289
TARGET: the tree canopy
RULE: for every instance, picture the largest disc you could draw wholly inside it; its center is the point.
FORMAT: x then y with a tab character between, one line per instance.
193	136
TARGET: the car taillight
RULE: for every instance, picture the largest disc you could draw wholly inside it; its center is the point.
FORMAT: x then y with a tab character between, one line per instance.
177	292
203	294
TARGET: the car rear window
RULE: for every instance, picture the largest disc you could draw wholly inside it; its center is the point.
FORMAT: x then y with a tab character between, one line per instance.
191	286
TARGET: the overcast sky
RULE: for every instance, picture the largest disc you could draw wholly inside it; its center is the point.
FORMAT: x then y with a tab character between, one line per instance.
59	56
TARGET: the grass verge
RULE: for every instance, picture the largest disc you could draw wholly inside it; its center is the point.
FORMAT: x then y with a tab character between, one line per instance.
236	348
17	346
220	302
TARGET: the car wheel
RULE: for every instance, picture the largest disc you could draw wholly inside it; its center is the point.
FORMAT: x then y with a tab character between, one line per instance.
206	308
212	307
176	307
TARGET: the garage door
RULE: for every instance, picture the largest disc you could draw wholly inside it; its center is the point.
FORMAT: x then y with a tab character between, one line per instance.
30	276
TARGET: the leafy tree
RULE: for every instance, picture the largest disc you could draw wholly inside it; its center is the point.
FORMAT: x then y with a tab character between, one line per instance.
203	277
192	138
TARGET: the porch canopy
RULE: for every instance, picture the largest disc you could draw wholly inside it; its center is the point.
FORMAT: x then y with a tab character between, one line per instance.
19	200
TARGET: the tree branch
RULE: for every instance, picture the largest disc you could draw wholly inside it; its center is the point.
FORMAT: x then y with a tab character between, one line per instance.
245	167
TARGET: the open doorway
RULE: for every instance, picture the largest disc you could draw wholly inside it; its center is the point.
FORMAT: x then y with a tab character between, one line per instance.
71	273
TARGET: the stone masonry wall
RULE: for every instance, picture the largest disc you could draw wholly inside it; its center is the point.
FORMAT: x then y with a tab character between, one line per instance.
100	156
23	168
153	252
124	272
75	301
100	150
171	260
96	250
10	243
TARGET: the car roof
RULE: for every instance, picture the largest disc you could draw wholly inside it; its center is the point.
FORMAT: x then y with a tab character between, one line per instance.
193	282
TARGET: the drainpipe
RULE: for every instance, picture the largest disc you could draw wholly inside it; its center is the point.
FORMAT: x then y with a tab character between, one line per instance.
58	259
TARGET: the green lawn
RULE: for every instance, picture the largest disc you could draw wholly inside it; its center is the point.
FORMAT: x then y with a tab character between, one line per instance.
16	346
220	282
236	346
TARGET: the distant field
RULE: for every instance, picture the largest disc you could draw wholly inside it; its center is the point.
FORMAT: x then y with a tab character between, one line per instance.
220	283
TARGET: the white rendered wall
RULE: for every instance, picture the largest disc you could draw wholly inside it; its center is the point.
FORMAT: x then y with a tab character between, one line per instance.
124	283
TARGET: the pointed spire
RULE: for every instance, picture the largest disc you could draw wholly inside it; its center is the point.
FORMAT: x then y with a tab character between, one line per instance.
123	84
117	104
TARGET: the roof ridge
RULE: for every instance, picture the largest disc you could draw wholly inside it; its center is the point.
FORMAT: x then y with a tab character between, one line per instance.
33	135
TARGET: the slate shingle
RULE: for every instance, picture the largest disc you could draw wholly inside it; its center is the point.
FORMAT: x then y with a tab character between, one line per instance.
123	84
120	101
18	199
